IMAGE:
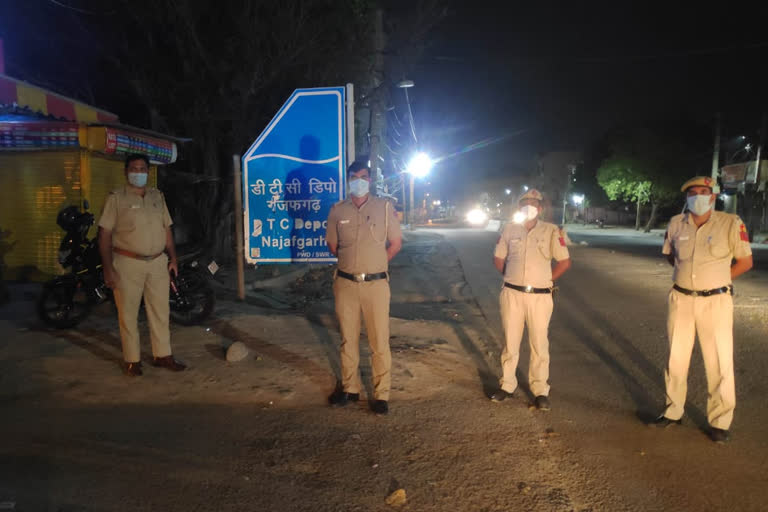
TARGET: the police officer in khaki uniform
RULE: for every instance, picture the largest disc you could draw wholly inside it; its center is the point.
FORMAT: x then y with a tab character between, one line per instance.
364	233
708	250
136	244
524	255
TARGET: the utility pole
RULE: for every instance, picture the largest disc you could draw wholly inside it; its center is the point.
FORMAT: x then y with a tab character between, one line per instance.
716	153
376	99
750	201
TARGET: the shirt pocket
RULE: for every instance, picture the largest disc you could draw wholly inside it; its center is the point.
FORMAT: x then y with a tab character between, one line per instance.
545	249
719	249
684	246
347	232
127	219
514	245
378	232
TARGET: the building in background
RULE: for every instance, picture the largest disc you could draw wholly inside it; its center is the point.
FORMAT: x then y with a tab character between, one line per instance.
745	192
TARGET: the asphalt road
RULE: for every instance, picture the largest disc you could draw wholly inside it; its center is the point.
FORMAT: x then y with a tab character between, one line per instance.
609	349
258	435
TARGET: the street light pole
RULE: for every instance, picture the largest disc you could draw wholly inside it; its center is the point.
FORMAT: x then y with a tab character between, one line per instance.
410	210
419	166
405	85
402	191
716	153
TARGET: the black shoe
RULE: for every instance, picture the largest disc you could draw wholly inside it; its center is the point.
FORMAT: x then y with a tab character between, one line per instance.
380	407
341	398
500	396
133	369
719	435
664	422
170	363
542	403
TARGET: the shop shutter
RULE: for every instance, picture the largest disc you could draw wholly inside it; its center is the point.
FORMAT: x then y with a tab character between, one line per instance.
34	187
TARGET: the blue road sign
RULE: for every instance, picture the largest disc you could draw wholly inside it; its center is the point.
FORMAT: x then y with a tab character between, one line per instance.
292	175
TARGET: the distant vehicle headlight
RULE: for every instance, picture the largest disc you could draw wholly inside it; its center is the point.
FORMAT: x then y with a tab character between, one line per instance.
477	217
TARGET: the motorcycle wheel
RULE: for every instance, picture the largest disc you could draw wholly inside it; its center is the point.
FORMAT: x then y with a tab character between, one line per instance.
63	305
196	299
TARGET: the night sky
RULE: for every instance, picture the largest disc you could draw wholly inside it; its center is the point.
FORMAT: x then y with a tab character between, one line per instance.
548	76
566	73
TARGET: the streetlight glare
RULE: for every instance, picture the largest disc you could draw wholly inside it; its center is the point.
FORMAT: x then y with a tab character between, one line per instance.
577	199
420	165
507	191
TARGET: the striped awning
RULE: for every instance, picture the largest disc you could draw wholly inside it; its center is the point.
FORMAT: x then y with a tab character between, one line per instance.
49	103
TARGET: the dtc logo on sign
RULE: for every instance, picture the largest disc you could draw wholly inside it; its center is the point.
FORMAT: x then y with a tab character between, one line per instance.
292	175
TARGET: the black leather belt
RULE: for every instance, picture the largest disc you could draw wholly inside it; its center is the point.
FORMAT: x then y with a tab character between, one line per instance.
134	255
704	293
359	278
528	289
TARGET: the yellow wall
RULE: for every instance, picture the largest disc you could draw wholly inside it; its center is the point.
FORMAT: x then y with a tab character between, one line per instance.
36	185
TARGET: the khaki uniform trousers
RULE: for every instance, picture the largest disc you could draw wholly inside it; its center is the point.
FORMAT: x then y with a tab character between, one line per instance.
519	309
150	279
712	319
372	300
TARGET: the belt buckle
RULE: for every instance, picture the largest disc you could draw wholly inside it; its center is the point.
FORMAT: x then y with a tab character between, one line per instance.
529	289
694	293
360	277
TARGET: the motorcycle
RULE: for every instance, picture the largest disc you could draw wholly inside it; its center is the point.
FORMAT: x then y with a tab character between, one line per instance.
68	299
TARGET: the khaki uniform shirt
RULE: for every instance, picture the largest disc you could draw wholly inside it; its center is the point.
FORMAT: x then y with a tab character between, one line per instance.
528	254
361	234
138	224
703	255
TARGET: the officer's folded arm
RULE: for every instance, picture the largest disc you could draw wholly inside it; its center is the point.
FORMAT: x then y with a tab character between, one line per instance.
560	268
499	264
741	265
394	247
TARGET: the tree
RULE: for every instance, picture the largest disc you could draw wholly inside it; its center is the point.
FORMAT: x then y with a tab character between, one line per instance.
624	178
217	72
648	164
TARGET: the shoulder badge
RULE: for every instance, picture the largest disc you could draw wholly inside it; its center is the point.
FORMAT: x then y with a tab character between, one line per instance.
743	233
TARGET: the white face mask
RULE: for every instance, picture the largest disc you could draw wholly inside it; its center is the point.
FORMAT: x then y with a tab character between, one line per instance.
358	187
530	211
137	179
699	204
